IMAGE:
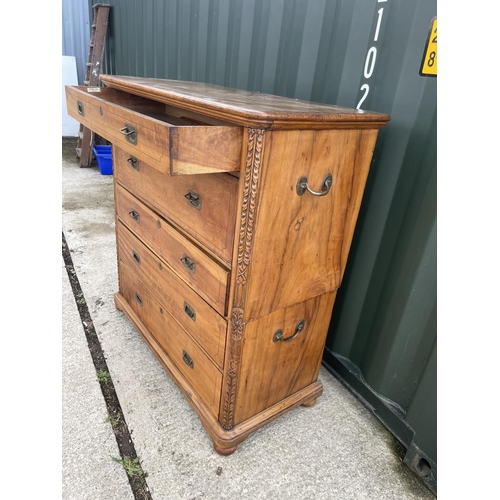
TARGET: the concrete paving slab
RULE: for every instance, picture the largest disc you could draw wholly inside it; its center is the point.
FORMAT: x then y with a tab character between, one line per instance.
88	442
335	449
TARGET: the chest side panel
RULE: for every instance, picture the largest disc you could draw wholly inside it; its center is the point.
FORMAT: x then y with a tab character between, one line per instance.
301	241
273	369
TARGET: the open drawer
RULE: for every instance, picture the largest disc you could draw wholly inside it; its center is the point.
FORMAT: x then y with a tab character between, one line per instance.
143	128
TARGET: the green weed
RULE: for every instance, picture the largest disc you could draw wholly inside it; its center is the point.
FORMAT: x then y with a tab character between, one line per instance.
103	376
114	420
132	467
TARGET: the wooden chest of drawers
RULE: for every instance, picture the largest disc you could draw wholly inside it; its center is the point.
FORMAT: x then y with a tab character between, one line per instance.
235	212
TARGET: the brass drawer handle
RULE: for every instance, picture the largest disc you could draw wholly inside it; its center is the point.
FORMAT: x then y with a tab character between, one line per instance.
81	109
139	299
134	162
135	215
302	186
194	199
130	133
189	311
136	257
278	334
187	359
188	263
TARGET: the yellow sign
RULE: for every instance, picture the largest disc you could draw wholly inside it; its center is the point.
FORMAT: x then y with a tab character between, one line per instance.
429	66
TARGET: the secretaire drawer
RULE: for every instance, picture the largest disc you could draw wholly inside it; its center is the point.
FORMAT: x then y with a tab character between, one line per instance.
142	127
204	206
196	367
206	326
208	278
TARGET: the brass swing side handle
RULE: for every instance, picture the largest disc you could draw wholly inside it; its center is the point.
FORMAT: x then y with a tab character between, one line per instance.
278	334
303	186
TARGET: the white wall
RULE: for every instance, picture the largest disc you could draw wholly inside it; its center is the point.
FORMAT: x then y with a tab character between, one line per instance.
70	126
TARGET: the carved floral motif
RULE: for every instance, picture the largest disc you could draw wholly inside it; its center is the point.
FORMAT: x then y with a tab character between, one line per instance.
247	218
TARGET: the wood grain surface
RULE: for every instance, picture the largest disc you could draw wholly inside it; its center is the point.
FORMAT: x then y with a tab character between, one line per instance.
166	142
204	150
204	377
225	441
301	243
187	308
244	107
212	226
205	276
272	371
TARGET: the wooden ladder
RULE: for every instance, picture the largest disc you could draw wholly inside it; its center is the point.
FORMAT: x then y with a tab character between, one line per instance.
97	39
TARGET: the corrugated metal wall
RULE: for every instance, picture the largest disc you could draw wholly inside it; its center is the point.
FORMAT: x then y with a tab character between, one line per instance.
76	34
307	49
356	53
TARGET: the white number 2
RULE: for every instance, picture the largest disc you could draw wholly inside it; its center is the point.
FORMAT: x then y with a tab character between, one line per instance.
366	88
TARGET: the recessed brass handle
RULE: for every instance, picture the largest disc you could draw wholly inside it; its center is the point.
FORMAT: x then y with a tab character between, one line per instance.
278	334
134	162
138	298
303	186
187	359
136	257
188	263
135	215
130	133
81	109
189	311
194	199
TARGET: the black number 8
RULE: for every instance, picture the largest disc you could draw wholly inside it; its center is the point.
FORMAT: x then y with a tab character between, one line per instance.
432	57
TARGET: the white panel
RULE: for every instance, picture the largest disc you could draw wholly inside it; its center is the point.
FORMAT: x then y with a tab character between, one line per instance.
70	126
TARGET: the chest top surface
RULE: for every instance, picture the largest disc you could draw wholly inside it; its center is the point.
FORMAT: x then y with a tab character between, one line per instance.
245	107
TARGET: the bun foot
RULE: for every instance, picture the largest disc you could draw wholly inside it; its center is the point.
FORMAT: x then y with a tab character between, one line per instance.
310	403
224	451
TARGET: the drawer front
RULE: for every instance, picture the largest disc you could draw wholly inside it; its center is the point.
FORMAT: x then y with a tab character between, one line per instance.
142	127
98	112
203	206
204	324
209	279
191	361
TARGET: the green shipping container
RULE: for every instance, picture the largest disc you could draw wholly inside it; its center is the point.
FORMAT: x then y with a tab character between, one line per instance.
379	55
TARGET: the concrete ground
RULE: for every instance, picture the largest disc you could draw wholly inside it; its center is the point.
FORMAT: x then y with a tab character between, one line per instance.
334	450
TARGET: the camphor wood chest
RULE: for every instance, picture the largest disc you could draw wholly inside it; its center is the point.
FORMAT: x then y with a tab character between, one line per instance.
235	212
